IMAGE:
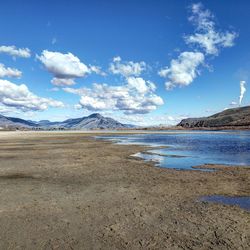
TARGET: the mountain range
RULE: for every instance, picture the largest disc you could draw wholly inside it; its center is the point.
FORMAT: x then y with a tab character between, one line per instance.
229	119
94	121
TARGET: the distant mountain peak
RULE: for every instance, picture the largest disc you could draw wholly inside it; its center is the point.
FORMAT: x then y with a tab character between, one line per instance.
44	121
93	121
95	115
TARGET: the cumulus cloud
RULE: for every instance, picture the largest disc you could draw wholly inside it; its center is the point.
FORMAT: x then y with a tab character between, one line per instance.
182	71
242	91
206	35
209	41
66	67
135	96
63	65
127	98
15	52
9	72
20	97
140	84
126	69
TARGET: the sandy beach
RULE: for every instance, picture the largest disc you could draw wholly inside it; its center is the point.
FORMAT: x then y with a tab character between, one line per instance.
65	190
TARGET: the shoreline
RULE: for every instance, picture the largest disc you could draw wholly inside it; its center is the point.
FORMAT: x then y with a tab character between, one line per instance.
69	191
111	132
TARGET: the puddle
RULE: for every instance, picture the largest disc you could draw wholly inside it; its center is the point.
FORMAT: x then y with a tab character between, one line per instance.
240	201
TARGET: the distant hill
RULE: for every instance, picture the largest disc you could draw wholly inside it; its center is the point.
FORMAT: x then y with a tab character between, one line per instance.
230	118
94	121
11	122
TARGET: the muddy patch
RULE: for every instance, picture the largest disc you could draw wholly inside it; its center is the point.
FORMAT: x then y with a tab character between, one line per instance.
15	176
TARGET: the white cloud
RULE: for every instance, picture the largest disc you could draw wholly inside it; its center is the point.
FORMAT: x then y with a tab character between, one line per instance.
63	65
242	91
206	36
62	81
15	52
93	103
183	70
211	41
19	97
127	69
140	84
117	59
9	72
4	110
97	70
127	98
66	67
233	103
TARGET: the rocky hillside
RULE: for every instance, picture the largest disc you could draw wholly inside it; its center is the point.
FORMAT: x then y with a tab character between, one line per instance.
11	122
230	118
94	121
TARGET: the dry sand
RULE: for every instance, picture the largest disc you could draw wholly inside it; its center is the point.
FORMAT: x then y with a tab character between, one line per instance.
69	191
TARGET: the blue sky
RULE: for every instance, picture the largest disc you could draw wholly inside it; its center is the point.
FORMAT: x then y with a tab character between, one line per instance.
145	62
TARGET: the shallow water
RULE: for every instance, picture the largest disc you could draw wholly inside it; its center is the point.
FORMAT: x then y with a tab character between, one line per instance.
185	150
243	202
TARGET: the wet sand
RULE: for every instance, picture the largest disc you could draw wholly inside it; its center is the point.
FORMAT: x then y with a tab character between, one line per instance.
69	191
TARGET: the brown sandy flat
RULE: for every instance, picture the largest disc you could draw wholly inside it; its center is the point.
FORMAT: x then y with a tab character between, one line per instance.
69	191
